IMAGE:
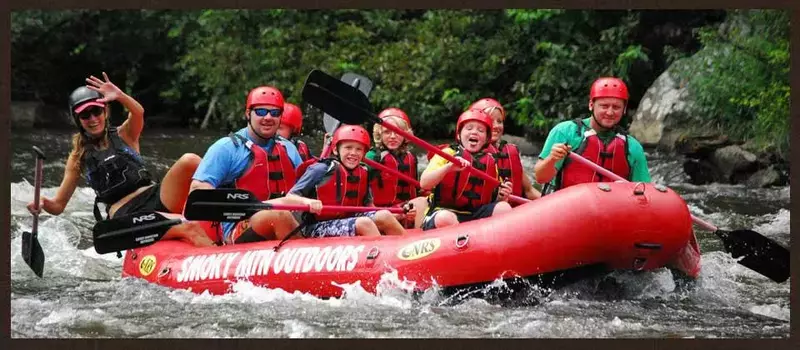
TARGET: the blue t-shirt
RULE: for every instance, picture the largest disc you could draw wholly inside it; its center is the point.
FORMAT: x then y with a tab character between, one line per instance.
224	162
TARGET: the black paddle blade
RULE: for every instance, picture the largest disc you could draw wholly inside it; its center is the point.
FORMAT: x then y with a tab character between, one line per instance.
355	80
222	204
337	98
760	253
32	253
130	231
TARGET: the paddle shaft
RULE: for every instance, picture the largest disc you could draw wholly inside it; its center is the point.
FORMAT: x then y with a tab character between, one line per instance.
605	172
382	167
447	156
299	207
37	188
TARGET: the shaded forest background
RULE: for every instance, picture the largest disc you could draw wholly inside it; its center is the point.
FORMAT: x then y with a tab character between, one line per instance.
194	68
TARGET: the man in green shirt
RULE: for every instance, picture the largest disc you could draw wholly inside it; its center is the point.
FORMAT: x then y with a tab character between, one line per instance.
598	138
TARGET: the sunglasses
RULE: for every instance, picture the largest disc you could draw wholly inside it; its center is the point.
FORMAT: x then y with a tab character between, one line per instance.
90	112
262	112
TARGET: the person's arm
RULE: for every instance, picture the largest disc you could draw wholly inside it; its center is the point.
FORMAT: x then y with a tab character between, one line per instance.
65	191
214	167
555	149
640	172
527	188
433	174
131	129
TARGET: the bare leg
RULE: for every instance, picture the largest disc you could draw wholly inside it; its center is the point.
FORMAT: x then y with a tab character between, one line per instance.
388	224
366	227
421	205
190	232
175	186
445	218
501	207
273	224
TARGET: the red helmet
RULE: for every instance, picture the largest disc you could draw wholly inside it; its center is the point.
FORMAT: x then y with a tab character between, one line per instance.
395	112
477	115
351	133
486	103
292	116
608	87
263	95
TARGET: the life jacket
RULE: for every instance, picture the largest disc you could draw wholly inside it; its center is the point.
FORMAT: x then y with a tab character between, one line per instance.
460	190
114	172
302	148
268	175
612	156
341	186
387	188
509	164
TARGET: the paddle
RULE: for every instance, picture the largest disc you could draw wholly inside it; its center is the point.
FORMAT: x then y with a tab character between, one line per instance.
229	204
130	231
331	124
32	251
344	103
760	253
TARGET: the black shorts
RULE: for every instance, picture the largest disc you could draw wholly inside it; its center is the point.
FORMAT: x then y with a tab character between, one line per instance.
149	200
483	211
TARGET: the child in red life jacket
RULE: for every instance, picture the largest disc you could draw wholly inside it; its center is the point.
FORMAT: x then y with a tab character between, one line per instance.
291	125
509	163
342	180
391	150
459	196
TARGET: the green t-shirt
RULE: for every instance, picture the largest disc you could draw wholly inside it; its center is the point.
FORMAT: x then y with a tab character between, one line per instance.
567	132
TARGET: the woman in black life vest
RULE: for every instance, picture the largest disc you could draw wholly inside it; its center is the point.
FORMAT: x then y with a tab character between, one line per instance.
109	159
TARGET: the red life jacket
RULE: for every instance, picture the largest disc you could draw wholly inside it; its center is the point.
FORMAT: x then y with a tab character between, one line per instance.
460	191
509	164
342	187
387	188
302	148
612	156
268	175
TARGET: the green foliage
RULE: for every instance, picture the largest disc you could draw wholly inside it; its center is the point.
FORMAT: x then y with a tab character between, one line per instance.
432	63
740	79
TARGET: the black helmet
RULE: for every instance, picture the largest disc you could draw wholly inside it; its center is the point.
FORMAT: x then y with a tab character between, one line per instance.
78	97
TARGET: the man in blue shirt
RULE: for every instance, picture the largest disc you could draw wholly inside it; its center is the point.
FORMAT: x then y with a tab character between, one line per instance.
256	159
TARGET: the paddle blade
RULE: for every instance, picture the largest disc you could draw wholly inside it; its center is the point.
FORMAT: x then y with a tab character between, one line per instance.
358	81
336	98
221	204
759	253
32	253
130	231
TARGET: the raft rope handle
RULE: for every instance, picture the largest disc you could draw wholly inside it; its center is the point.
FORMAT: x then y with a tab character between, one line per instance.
295	231
637	191
460	239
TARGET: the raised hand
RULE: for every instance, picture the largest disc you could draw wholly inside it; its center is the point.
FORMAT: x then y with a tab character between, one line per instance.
109	91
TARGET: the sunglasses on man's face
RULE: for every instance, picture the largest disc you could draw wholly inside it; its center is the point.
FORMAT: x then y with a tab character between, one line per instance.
263	112
91	111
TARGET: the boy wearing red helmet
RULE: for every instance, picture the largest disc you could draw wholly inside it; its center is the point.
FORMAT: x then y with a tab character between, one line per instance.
341	180
509	163
457	195
598	138
256	159
291	125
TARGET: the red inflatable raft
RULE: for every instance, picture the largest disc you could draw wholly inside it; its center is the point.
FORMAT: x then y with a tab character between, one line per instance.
618	226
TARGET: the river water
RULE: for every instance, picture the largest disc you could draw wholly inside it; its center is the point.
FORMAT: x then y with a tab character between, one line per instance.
82	294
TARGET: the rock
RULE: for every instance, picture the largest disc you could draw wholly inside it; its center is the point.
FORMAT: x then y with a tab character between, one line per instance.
735	164
700	146
526	148
662	108
701	172
765	178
